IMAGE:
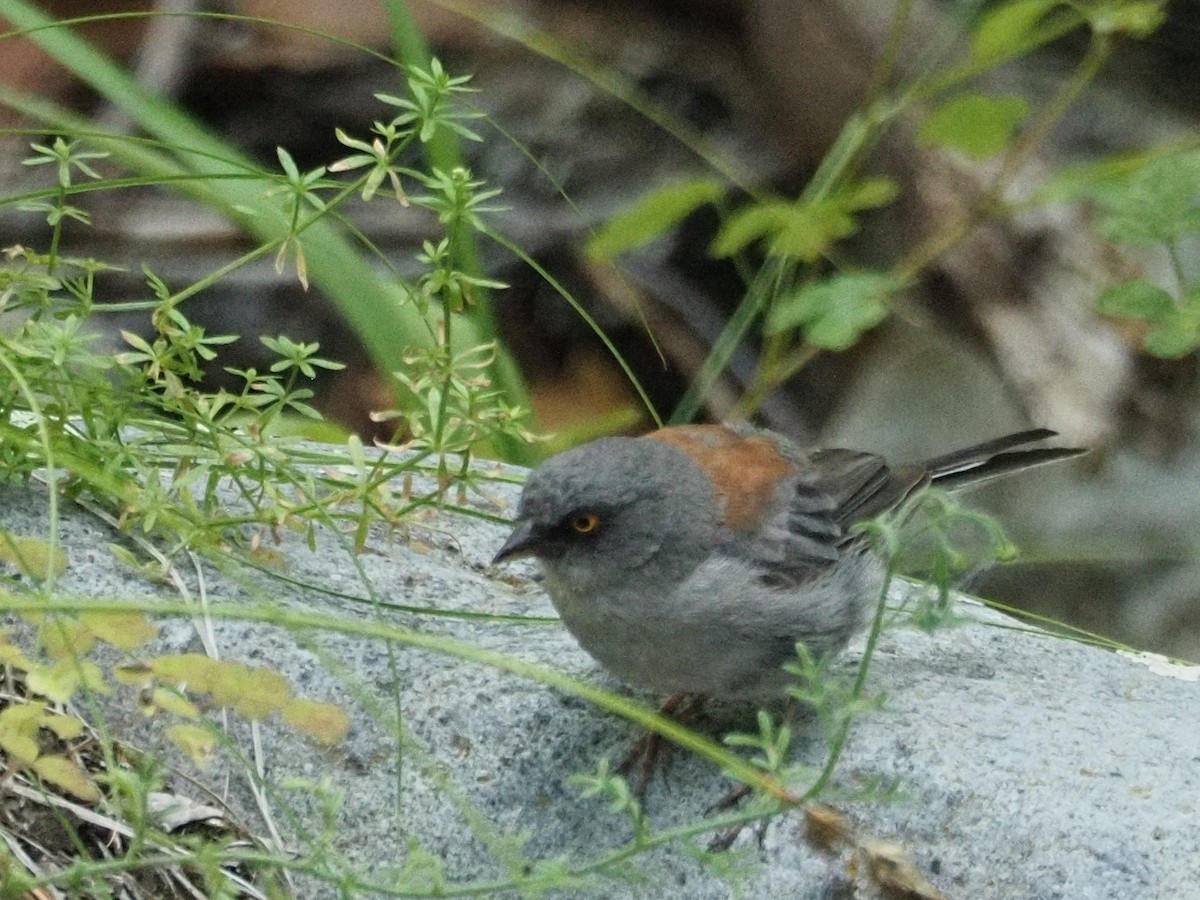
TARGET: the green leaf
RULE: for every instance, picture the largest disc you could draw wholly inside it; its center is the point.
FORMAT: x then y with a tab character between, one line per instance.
33	556
750	223
1174	338
811	228
124	630
55	682
1138	20
65	728
1011	29
1070	183
836	312
326	723
19	724
1136	300
868	194
803	229
974	124
196	670
1178	334
1158	202
63	773
652	215
194	740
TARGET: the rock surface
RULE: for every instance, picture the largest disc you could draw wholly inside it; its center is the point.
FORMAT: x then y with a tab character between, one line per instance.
1024	765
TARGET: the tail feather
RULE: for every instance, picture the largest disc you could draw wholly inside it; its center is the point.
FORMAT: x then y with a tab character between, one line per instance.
994	458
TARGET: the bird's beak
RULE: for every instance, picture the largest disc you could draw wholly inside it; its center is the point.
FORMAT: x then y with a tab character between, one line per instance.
520	543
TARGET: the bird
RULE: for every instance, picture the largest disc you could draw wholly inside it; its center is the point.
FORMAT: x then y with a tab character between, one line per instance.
691	561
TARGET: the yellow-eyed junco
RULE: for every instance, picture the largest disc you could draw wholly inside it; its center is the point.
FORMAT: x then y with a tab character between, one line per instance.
693	559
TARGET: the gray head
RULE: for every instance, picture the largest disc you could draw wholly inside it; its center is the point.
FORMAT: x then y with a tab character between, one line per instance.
612	506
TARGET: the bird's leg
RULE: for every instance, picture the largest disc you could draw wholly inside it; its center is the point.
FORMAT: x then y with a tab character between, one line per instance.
651	751
737	794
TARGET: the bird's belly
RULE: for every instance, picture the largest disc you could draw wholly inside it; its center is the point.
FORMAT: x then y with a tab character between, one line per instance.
722	633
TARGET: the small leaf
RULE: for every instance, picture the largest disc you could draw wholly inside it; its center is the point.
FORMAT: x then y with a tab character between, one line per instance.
194	740
64	727
133	673
91	676
34	557
835	313
748	224
21	748
123	630
264	692
57	682
63	638
803	229
195	670
1136	299
326	723
1010	30
172	702
1177	335
811	229
1138	20
870	193
652	215
1158	202
63	773
19	724
976	125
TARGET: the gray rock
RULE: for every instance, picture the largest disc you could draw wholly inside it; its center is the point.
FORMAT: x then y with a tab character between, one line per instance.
1024	765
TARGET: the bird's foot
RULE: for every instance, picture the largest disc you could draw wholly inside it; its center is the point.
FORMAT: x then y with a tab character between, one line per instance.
652	751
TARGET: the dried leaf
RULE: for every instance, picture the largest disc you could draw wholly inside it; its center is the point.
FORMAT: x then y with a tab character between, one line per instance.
133	673
172	811
826	828
896	875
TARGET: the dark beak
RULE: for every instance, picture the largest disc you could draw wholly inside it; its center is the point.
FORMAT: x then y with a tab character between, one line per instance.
522	542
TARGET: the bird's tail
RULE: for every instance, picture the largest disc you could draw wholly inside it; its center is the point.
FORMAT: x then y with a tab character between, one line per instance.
994	458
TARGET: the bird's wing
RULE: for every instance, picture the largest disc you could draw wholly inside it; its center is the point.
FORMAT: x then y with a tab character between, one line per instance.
863	485
809	529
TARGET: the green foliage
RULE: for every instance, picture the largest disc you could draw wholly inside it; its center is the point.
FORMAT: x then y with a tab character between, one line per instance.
1157	202
807	299
804	229
1151	202
136	438
652	215
292	214
835	312
1014	29
1173	327
975	124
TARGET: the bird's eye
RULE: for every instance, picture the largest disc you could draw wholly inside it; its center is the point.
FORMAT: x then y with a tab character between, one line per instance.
584	523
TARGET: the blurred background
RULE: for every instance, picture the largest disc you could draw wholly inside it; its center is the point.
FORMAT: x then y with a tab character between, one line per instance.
592	105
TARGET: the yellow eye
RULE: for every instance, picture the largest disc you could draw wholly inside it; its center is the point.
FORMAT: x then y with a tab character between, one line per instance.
584	523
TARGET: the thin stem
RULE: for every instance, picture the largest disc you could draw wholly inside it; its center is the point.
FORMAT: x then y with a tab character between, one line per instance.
890	55
838	745
1098	51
